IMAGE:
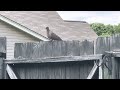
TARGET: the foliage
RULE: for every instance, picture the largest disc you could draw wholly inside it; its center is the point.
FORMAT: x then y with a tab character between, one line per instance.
105	30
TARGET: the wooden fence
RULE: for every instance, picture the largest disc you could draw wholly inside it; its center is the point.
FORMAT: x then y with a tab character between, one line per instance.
107	44
55	70
67	48
62	67
70	48
66	70
74	69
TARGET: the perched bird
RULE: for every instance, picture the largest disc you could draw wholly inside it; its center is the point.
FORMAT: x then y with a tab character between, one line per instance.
52	35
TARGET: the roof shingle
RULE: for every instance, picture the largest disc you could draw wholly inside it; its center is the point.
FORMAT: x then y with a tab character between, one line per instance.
39	20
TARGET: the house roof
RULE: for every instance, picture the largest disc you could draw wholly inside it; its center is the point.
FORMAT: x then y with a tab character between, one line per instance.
37	21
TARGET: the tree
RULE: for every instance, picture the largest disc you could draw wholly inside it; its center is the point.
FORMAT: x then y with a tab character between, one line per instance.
110	29
117	28
99	28
105	30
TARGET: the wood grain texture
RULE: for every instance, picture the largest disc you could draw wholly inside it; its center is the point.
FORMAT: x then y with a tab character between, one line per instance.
115	42
56	59
3	44
59	70
115	71
53	48
86	47
102	45
1	68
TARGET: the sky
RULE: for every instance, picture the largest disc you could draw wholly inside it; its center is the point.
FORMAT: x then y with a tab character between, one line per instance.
106	17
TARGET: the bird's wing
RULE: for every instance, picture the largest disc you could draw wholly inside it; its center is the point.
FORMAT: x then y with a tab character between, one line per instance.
55	37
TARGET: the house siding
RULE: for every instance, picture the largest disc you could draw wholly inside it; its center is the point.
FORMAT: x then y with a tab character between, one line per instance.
13	36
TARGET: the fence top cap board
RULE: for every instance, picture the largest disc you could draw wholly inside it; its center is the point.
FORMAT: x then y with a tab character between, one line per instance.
42	19
55	59
55	41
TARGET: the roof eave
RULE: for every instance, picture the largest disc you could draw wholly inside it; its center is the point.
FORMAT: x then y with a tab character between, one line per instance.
75	21
23	28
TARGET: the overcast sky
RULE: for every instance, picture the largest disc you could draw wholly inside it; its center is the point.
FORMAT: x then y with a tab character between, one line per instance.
106	17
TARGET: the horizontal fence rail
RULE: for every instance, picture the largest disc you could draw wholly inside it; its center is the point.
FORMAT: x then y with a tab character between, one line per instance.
56	59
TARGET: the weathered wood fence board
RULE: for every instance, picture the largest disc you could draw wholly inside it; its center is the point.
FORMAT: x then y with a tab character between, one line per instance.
115	42
2	50
102	45
118	67
52	49
1	68
87	48
107	44
71	70
56	59
3	44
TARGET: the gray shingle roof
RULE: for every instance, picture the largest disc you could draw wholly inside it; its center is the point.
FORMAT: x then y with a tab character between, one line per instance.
38	20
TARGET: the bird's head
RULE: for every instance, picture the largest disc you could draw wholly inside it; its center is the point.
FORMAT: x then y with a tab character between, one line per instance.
47	28
48	31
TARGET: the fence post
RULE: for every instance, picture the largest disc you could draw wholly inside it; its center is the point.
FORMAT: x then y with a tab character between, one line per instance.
5	76
114	68
100	69
1	68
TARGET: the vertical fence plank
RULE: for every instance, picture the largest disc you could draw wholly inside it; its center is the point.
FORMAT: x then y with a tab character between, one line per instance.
72	48
115	68
17	50
1	68
3	44
115	46
4	71
72	70
81	70
118	68
2	55
102	45
86	47
115	42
